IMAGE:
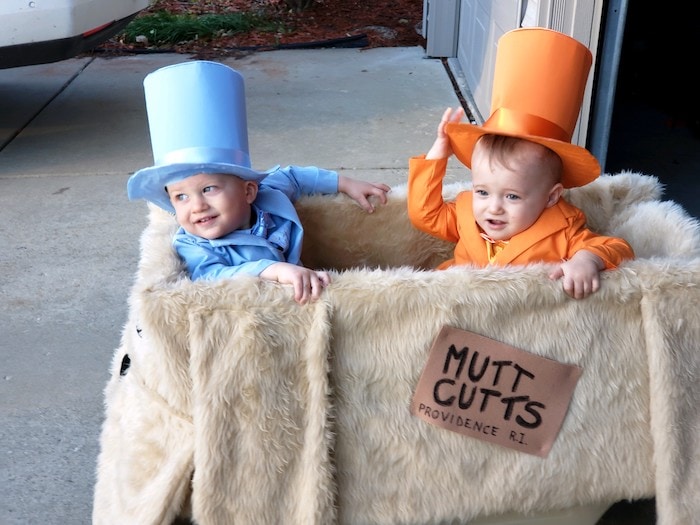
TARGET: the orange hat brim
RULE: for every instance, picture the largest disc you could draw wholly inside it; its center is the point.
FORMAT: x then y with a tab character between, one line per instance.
579	166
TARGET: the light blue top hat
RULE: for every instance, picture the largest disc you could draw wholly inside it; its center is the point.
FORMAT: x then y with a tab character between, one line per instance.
198	124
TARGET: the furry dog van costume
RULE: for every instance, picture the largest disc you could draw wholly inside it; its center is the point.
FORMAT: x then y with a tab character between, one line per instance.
230	403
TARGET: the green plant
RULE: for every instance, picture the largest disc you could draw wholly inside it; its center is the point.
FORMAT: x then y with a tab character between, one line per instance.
164	28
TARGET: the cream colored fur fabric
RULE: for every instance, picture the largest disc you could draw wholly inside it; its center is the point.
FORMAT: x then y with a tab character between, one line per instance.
237	406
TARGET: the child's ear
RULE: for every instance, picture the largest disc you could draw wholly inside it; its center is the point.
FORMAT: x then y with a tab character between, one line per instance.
554	194
251	191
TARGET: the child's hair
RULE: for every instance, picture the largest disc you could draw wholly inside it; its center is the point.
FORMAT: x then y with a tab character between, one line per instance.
502	149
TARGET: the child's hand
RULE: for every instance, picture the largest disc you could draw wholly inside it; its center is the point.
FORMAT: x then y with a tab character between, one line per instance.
441	148
308	284
581	274
360	191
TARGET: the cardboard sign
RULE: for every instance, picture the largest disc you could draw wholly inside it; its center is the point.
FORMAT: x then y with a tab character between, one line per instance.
492	391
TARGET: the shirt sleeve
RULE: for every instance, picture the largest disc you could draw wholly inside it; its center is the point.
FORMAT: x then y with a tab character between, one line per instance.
295	181
612	250
212	264
426	208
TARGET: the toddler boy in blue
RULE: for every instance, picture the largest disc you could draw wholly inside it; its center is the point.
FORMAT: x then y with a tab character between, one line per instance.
233	220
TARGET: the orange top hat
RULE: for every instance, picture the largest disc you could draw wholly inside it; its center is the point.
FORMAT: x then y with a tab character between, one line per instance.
539	80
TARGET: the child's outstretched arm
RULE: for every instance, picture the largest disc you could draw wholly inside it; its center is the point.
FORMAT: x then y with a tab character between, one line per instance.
360	191
441	148
308	284
580	275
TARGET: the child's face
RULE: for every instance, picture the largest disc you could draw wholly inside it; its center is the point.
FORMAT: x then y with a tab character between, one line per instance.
212	205
508	200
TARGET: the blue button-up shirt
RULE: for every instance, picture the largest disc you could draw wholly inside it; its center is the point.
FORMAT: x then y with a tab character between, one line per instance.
276	236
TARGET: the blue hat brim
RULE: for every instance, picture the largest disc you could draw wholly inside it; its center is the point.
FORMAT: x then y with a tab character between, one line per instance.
149	183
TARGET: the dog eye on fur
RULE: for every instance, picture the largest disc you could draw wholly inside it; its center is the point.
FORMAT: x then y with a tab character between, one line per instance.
126	363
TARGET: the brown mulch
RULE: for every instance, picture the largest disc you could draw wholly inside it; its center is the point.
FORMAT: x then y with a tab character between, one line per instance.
327	23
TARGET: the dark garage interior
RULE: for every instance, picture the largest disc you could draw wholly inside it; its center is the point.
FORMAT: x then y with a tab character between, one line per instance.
656	117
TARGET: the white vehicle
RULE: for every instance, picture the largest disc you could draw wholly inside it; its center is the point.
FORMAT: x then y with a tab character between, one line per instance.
43	31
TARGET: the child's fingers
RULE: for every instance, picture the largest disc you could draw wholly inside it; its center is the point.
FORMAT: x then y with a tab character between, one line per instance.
443	122
300	291
458	114
382	190
365	204
310	286
376	190
319	280
556	273
324	277
449	116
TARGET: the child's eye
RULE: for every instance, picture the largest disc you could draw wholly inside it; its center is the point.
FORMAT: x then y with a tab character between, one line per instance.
512	197
481	193
207	189
180	197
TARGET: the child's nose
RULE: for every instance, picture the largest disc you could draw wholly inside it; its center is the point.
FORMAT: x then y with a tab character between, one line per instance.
495	204
199	203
